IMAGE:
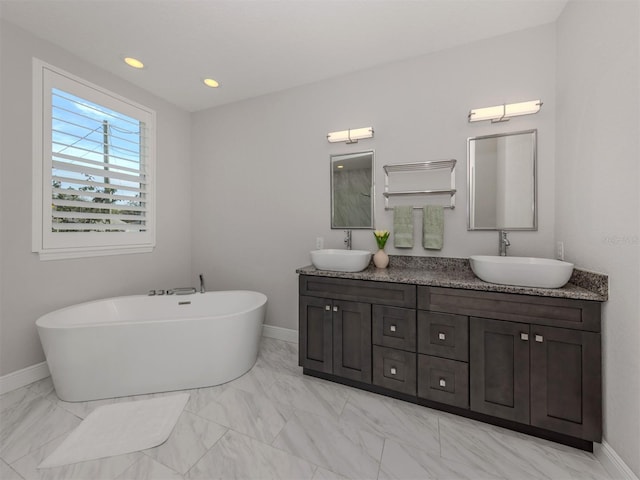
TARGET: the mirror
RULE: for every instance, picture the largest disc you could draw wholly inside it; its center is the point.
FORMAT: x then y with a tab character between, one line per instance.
352	190
501	180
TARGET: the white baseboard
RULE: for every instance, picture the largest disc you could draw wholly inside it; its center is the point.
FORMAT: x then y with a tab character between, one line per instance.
280	333
24	377
612	462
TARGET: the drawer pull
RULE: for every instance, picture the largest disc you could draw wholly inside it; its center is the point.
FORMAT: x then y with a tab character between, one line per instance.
335	309
443	382
393	371
327	307
524	336
392	328
539	338
441	336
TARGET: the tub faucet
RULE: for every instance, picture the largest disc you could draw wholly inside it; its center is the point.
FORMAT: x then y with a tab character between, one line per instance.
201	284
347	239
503	243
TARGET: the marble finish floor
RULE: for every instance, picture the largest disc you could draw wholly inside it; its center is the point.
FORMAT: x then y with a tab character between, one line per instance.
276	423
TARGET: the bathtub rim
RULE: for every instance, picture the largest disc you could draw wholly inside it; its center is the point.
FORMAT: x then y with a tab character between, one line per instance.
41	321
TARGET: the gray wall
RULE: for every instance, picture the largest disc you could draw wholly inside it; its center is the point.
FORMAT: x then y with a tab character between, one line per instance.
30	287
598	188
261	167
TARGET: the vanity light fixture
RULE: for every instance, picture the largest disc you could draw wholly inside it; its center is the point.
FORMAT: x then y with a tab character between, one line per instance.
350	136
502	113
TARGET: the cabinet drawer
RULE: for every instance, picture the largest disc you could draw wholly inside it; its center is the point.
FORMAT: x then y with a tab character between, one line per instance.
558	312
443	380
377	293
394	369
443	335
394	327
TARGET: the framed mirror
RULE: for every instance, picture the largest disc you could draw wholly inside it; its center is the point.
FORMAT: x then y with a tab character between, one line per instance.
501	181
352	190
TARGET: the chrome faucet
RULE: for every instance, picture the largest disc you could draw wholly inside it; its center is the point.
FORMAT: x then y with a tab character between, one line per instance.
201	284
347	239
503	243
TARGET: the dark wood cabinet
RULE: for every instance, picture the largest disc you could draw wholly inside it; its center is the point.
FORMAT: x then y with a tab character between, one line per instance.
543	376
526	362
566	381
335	337
352	340
499	361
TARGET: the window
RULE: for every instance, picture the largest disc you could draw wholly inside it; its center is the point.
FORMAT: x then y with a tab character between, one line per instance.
93	185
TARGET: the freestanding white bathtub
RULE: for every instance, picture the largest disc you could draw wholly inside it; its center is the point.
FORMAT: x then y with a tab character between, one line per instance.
144	344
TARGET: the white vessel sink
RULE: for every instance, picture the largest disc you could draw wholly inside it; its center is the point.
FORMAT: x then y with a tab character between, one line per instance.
521	271
341	260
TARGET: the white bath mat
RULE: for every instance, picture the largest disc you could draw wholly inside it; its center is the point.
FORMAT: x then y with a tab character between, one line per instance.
119	428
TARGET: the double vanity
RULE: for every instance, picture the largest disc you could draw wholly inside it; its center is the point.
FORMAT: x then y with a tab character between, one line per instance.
427	330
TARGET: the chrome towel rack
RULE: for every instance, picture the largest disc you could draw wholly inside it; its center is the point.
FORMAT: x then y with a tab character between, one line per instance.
417	167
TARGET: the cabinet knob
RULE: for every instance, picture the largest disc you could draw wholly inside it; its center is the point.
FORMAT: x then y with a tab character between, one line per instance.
442	382
442	336
327	307
392	328
539	338
393	371
335	309
524	336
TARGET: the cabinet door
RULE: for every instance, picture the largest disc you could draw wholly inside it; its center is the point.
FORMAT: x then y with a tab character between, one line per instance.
566	381
499	368
315	334
352	340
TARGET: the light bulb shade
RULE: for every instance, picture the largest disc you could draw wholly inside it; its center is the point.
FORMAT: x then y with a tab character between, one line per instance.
133	62
504	112
523	108
351	135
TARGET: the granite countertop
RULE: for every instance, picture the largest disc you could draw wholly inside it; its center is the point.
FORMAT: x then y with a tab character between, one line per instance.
456	273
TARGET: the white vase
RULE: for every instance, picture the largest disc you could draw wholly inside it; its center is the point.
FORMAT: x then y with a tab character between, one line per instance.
381	259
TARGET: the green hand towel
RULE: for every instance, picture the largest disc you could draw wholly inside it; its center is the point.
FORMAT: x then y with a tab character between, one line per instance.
433	227
403	227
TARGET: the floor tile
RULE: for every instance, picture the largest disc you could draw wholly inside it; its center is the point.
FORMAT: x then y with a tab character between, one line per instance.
238	456
101	469
244	412
190	439
401	461
491	450
279	356
15	398
201	397
8	473
273	422
324	474
351	452
31	424
42	387
310	394
148	469
388	417
257	380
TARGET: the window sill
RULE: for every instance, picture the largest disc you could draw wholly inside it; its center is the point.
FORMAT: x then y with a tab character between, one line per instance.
64	254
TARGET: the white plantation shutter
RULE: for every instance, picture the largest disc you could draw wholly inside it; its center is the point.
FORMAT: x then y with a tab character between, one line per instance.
97	169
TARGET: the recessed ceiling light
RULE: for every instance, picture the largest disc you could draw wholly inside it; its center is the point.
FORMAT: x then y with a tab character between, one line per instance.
210	82
133	62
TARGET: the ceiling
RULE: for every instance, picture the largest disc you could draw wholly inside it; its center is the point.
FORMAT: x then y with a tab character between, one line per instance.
255	47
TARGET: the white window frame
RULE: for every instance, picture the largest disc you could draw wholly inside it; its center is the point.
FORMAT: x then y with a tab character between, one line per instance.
60	245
